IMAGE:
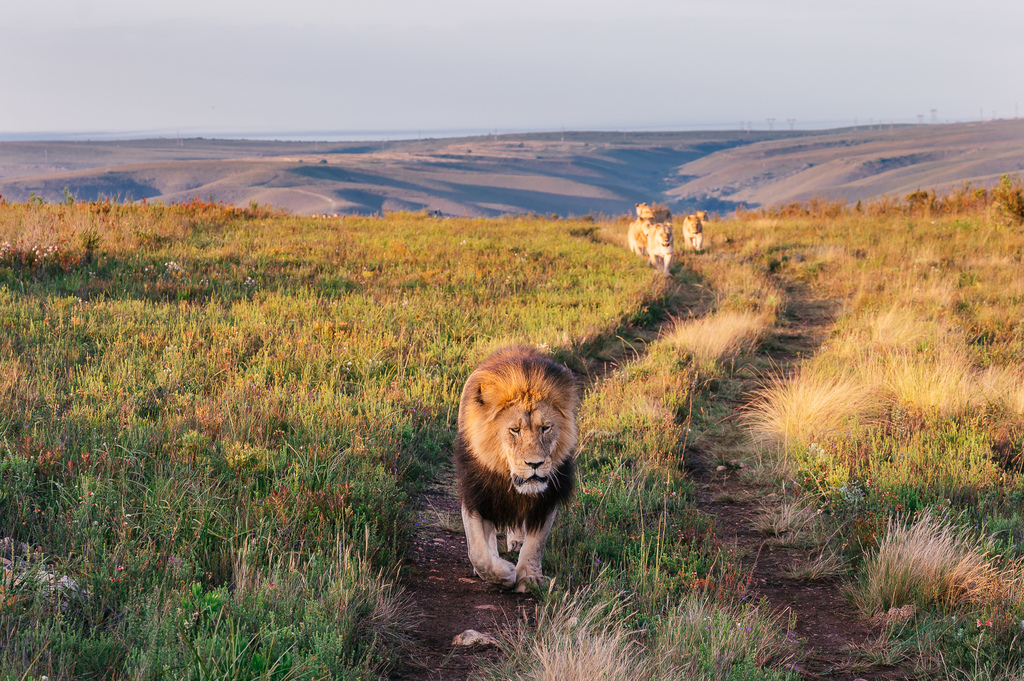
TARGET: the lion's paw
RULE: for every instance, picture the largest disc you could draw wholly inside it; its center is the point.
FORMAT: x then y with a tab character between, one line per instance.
525	582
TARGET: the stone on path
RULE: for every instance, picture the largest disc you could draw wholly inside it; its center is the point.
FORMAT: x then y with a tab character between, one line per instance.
472	637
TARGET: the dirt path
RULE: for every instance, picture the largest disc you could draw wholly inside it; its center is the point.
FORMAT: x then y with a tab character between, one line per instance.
441	580
451	598
834	637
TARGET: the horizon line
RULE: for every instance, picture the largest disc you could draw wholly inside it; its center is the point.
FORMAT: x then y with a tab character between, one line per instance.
395	135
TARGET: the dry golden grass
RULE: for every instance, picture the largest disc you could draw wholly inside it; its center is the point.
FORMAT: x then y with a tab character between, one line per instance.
927	563
895	329
942	384
864	337
574	641
827	564
721	336
785	519
813	403
1002	387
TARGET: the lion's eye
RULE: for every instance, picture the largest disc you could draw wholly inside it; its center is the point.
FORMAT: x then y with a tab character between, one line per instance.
514	430
545	429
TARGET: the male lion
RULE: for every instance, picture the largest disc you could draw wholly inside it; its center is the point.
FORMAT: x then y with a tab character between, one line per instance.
659	245
513	459
693	230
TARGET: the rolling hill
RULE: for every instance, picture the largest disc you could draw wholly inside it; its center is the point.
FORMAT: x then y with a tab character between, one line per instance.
570	173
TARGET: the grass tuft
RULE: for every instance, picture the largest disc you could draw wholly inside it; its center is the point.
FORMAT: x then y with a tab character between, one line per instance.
722	336
927	563
794	412
573	639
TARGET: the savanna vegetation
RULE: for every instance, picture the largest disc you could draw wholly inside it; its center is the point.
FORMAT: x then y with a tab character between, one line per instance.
214	422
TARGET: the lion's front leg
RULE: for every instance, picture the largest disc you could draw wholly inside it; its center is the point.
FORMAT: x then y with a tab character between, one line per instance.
667	261
482	542
528	570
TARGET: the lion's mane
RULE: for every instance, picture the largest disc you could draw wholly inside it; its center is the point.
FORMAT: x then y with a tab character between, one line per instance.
516	377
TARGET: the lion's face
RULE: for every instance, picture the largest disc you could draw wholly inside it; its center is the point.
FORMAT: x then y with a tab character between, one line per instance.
528	441
661	236
518	413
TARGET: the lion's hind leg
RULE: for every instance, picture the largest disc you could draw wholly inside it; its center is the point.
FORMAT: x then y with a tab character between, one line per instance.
482	542
514	538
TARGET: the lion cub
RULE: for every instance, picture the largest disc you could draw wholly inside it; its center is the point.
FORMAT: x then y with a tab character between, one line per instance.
514	459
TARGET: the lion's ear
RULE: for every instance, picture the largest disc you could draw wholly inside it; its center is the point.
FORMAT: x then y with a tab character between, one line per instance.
488	394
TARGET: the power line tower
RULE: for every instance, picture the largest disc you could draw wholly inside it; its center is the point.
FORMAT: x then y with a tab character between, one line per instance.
920	119
935	115
771	123
792	122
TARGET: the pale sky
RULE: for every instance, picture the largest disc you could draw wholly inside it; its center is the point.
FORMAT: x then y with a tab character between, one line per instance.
230	67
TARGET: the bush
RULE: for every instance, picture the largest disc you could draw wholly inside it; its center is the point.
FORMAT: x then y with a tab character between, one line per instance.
1009	199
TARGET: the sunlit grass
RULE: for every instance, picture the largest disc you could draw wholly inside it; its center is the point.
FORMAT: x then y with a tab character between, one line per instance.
928	562
942	385
720	336
794	412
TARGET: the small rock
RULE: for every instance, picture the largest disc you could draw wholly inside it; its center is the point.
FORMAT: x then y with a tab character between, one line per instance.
472	637
487	607
736	463
722	468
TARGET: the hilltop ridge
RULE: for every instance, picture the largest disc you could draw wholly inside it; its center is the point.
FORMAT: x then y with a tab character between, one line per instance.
571	173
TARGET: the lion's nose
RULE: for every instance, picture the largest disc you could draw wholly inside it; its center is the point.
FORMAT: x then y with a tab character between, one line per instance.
533	465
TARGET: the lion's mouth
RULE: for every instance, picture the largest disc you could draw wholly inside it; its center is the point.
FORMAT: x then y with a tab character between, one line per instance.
520	481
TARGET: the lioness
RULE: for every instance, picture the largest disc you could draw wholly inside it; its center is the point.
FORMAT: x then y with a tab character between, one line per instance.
660	245
637	236
639	229
513	459
693	230
644	212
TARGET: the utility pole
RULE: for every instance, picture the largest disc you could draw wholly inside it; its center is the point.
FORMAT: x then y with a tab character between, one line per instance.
771	123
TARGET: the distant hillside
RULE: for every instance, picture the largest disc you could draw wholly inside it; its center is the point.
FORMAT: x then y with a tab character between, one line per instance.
570	173
855	164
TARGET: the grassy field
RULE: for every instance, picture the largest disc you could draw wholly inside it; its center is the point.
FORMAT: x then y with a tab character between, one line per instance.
213	424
